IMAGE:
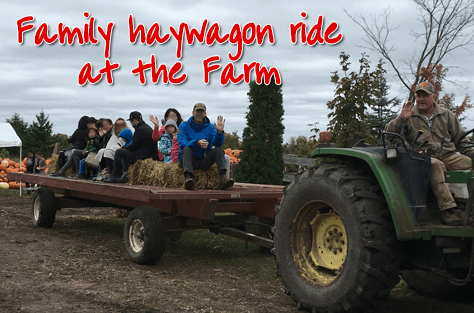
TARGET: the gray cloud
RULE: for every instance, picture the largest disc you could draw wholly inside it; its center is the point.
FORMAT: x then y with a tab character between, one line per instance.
35	78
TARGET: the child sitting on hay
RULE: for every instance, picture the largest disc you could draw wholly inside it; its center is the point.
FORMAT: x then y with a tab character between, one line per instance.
166	140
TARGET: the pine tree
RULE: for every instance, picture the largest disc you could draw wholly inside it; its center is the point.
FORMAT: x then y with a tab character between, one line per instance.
41	132
261	159
382	109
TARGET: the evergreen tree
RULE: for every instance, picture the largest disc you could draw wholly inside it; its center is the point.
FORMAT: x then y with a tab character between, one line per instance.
41	132
354	93
382	109
37	136
261	159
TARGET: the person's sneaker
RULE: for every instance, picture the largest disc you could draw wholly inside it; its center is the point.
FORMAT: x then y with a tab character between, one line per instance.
225	183
189	183
449	218
73	175
56	174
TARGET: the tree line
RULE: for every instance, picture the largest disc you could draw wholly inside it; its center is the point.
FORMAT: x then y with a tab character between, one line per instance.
37	136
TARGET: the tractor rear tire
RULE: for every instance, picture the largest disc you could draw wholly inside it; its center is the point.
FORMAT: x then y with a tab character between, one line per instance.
144	235
336	209
43	208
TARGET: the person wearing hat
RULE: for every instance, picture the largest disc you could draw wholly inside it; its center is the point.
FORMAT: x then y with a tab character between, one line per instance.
142	147
437	124
196	138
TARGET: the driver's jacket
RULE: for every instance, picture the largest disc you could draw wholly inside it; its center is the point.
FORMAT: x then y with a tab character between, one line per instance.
444	125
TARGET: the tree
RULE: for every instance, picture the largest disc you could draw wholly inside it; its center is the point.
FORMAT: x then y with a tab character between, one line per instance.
231	140
436	75
41	132
300	146
261	159
62	139
37	136
315	130
445	27
382	109
354	93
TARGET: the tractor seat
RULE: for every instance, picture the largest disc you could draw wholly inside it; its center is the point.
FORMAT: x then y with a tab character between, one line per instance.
459	183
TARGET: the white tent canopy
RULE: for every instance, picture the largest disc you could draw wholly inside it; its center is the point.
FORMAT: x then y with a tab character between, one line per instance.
8	136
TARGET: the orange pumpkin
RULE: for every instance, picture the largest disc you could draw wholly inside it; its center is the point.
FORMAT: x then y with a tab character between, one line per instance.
3	167
11	163
17	165
47	163
236	153
23	185
228	151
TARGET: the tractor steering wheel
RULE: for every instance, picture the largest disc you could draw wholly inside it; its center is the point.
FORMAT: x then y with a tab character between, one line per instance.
466	143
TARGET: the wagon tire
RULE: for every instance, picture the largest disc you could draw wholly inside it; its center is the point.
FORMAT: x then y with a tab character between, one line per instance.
144	235
335	244
43	208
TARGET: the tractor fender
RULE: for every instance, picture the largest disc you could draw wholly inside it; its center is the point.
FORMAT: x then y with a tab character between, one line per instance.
402	217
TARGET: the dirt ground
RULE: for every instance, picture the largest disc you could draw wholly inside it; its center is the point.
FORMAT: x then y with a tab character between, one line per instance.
80	265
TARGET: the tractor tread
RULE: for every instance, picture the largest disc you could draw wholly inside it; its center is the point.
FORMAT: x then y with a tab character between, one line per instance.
380	252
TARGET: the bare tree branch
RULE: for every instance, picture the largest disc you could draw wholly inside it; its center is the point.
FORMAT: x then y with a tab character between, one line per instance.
446	25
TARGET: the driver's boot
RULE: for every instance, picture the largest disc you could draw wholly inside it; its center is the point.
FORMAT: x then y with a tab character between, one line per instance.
449	218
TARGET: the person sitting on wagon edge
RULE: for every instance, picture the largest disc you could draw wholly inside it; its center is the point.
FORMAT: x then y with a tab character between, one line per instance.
142	147
437	123
196	138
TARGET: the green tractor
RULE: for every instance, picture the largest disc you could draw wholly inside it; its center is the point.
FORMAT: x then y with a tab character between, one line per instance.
346	229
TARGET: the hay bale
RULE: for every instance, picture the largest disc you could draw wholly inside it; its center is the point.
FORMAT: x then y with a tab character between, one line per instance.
53	166
121	213
153	173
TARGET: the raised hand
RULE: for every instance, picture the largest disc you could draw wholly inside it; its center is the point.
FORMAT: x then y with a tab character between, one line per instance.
220	124
407	110
154	120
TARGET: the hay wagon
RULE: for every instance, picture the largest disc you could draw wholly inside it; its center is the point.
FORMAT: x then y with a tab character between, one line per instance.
245	211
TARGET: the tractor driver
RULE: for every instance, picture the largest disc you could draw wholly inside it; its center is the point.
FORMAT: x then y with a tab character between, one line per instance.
436	123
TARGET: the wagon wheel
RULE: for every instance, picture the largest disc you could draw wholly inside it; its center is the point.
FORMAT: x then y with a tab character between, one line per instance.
43	208
144	235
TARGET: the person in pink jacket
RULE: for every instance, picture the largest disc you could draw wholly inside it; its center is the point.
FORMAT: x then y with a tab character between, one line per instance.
157	132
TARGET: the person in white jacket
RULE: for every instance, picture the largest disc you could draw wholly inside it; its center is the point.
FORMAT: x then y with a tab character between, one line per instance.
106	155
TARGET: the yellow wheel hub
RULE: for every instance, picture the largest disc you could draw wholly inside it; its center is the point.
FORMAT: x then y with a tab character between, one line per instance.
329	248
318	243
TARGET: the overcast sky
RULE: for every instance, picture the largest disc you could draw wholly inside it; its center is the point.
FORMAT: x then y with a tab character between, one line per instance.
35	78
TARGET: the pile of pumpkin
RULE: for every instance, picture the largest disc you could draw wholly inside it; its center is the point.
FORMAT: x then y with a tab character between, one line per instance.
233	154
9	166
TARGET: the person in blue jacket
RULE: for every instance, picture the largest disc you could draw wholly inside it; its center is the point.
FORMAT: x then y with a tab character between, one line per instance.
196	138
